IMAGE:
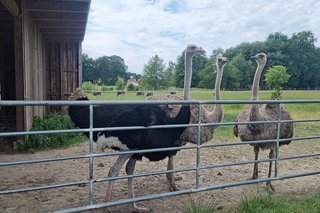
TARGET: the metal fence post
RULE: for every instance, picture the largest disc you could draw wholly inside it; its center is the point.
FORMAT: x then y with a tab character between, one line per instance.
198	146
91	155
278	138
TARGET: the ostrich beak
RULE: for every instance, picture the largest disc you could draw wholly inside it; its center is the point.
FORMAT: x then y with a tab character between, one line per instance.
253	57
199	49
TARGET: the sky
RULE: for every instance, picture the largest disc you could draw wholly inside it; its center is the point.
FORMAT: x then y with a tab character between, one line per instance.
136	30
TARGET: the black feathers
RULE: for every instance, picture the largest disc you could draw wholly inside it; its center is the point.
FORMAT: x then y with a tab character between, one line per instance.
134	115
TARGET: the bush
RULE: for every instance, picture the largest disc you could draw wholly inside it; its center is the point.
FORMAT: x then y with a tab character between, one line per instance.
48	141
275	77
120	84
106	88
132	87
87	85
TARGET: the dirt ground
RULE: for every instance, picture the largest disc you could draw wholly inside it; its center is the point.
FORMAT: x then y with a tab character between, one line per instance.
15	177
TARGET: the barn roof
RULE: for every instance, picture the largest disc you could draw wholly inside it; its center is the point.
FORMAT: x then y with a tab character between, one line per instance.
56	19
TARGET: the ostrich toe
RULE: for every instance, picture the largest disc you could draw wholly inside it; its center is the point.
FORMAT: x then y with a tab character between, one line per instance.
139	209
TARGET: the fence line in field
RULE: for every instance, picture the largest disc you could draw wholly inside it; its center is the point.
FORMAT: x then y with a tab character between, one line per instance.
91	180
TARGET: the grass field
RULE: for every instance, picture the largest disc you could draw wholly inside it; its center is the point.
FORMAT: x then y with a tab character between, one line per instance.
297	111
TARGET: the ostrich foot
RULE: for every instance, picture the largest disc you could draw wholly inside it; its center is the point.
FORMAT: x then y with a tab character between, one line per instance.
253	177
173	187
139	209
270	187
177	178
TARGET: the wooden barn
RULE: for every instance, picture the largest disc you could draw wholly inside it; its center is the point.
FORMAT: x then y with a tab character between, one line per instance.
40	55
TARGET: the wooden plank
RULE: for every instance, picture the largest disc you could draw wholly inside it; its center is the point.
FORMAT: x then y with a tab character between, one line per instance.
57	6
60	35
19	72
54	16
60	24
63	30
11	6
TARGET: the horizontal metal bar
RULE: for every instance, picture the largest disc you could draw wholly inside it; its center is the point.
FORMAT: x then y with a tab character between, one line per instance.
7	134
258	142
98	102
300	156
181	192
36	188
45	160
150	150
146	174
157	173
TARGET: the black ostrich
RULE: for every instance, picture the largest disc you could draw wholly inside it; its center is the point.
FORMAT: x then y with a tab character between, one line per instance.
131	115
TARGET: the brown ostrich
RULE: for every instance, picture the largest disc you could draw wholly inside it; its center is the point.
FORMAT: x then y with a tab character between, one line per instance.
262	112
208	115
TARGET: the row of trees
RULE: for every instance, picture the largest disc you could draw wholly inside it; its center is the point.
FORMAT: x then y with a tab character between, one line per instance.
298	54
105	70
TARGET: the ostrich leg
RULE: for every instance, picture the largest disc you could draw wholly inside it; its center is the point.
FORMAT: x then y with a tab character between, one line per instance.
129	170
255	168
271	156
170	176
114	171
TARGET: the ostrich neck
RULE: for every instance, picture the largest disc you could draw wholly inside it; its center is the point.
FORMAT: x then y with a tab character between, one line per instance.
256	80
254	114
187	77
218	109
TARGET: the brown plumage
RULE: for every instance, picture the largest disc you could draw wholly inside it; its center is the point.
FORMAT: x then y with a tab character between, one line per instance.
208	115
262	112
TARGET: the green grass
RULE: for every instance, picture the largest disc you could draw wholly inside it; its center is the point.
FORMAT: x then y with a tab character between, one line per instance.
297	111
275	204
198	206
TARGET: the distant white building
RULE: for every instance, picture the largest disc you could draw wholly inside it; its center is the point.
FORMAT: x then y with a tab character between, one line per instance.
133	81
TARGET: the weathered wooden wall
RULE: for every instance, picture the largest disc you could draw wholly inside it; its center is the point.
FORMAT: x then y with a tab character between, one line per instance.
62	68
40	53
33	67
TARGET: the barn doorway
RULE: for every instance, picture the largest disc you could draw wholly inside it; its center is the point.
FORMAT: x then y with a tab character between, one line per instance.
7	74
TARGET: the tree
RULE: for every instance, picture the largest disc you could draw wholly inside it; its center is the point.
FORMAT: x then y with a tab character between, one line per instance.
153	77
198	63
246	71
120	84
275	77
169	76
231	77
89	67
117	68
103	66
207	76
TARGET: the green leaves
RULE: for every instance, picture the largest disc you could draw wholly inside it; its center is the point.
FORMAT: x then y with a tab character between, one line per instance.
153	77
275	77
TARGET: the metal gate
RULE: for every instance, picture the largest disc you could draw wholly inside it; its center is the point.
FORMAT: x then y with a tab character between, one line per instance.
91	180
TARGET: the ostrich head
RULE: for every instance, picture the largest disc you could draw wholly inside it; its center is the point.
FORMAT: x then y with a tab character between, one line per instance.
221	61
193	49
261	58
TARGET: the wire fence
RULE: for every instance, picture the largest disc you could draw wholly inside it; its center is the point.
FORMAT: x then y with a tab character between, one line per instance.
90	181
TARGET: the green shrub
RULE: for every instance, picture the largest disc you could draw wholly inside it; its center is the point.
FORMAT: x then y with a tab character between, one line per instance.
87	85
120	84
106	88
132	87
46	141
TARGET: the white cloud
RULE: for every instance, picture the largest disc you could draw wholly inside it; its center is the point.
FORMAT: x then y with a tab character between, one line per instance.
136	30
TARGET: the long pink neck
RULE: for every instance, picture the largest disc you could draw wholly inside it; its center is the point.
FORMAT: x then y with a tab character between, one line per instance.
218	109
256	80
187	76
